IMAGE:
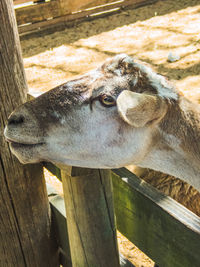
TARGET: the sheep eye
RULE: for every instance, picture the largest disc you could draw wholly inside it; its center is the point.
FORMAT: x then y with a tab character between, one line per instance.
107	101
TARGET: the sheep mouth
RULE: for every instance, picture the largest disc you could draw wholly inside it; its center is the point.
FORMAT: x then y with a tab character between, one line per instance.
17	145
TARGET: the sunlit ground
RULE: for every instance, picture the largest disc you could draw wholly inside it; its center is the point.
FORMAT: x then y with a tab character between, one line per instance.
149	33
143	33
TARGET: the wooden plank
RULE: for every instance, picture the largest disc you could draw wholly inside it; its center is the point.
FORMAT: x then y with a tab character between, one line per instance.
17	2
165	230
84	15
64	6
37	12
60	226
26	238
77	5
90	217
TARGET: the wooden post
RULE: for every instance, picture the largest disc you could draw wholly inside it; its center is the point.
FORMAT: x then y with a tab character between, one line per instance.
90	217
25	225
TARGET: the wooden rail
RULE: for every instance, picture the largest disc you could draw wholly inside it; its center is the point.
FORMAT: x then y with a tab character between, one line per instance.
37	15
162	228
18	2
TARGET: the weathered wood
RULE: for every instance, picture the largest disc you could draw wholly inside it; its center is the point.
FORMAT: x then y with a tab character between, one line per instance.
37	12
17	2
76	5
60	226
90	217
85	15
64	6
25	225
165	230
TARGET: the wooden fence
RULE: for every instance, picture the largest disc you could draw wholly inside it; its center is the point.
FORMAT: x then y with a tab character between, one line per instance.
162	228
38	15
166	231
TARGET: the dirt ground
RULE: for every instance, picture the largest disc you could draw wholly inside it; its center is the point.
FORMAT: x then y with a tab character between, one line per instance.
149	33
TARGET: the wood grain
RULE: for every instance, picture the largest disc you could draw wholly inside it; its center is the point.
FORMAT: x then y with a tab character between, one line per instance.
162	228
90	217
60	226
76	5
66	19
37	12
17	2
165	230
25	225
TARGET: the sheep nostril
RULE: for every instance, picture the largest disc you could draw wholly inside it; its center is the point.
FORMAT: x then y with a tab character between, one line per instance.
15	120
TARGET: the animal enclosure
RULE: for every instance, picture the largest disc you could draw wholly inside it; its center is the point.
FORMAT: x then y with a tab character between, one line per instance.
136	204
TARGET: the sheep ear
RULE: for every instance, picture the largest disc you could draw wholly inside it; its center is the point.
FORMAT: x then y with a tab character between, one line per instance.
139	110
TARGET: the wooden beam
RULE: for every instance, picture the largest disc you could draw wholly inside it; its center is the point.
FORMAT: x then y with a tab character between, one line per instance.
37	12
64	6
25	227
17	2
60	226
77	5
162	228
90	217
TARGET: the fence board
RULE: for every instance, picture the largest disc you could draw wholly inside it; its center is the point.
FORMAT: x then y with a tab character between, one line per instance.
59	12
26	238
37	13
60	226
162	228
64	4
17	2
90	217
76	5
165	230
